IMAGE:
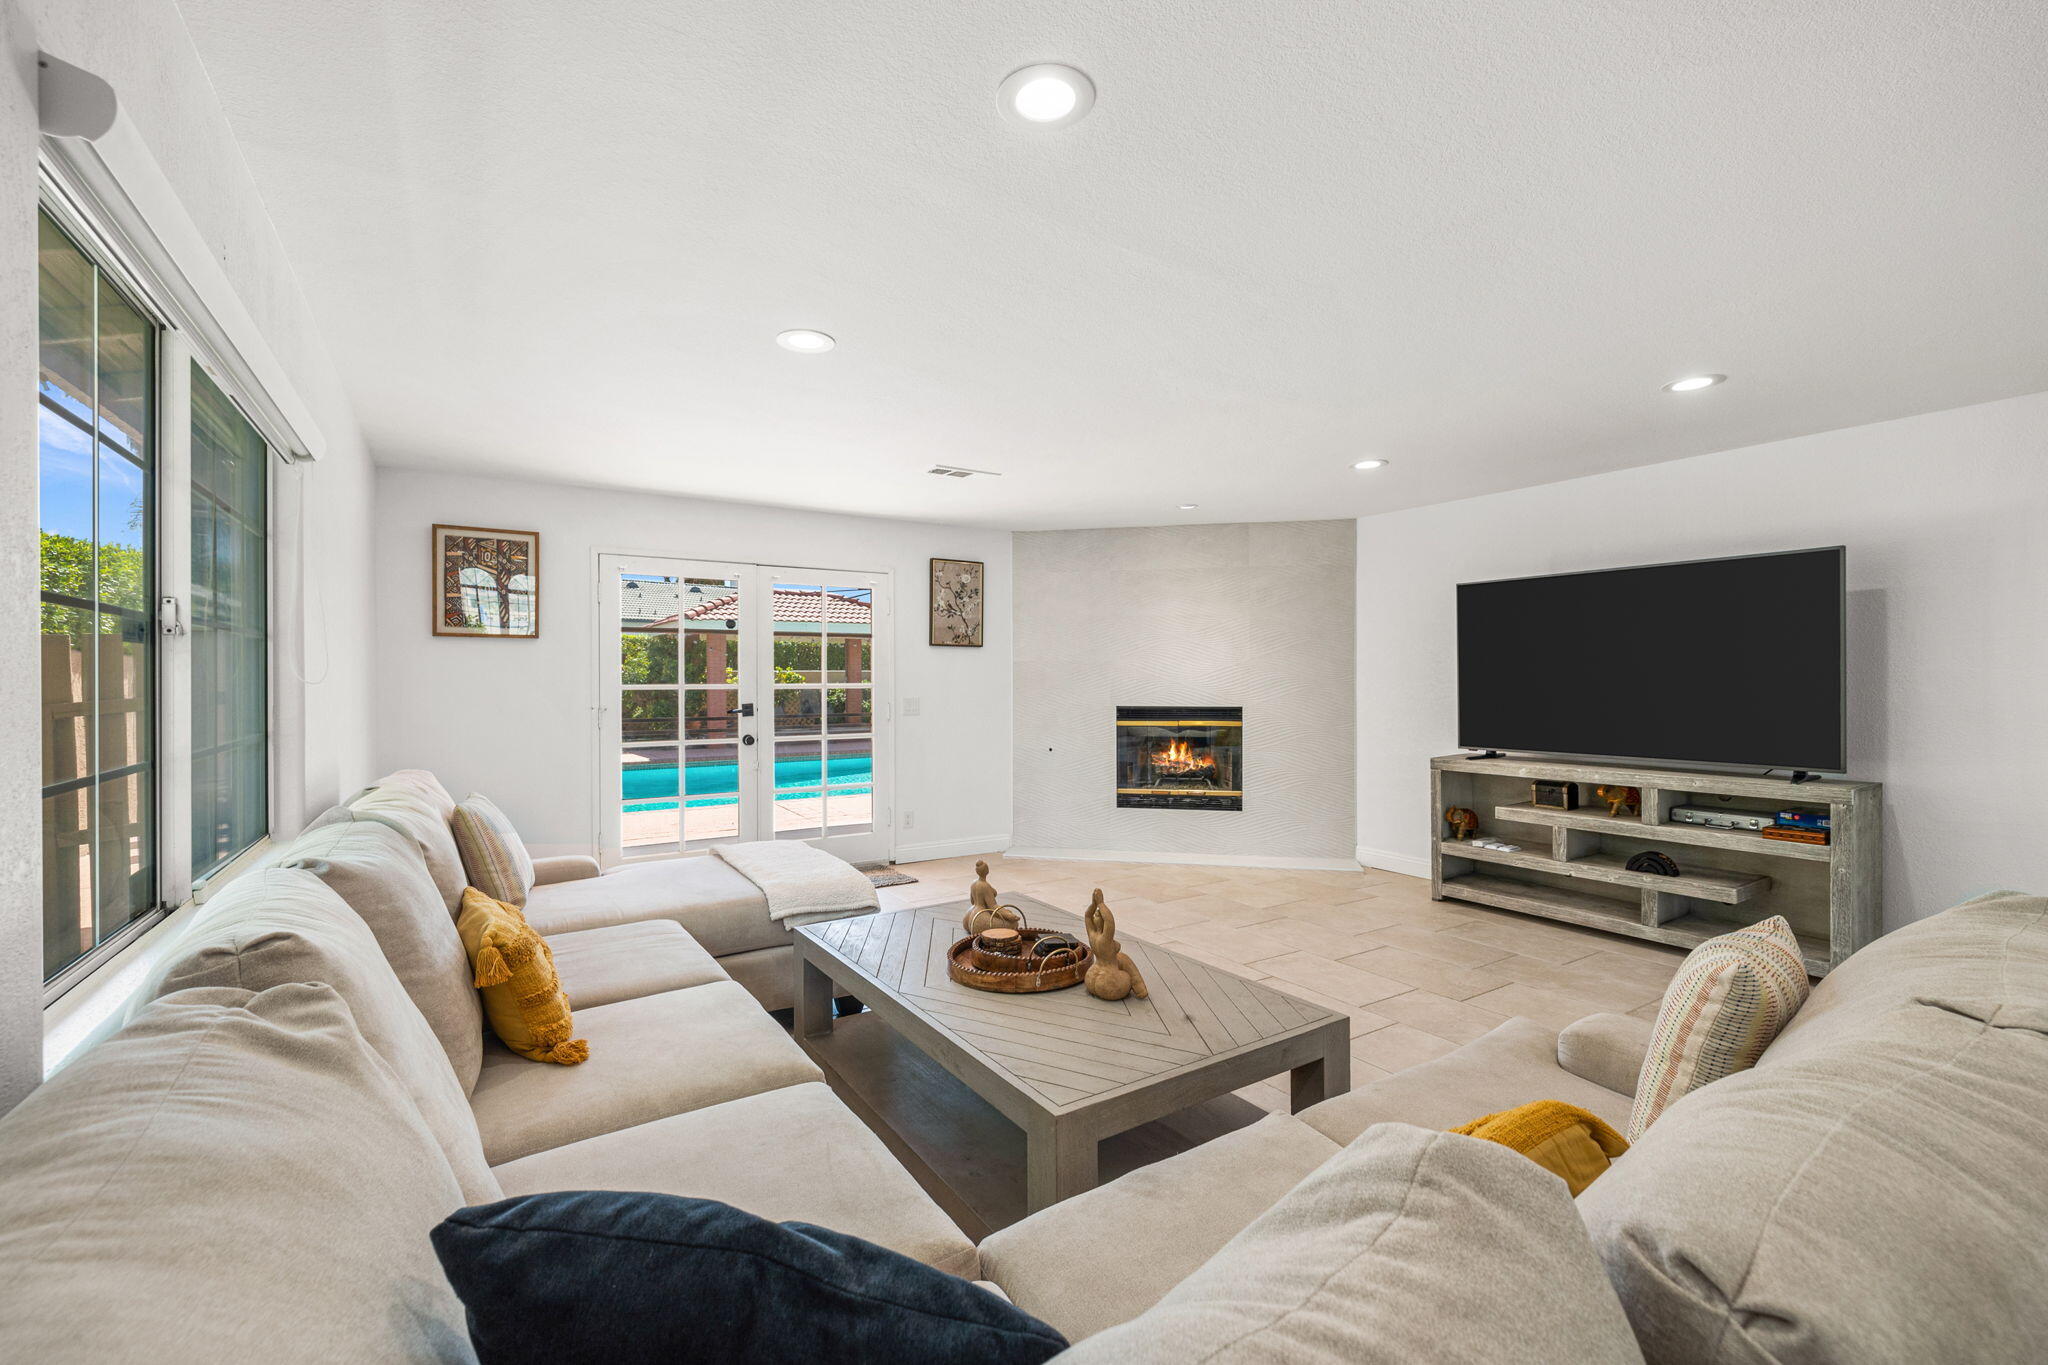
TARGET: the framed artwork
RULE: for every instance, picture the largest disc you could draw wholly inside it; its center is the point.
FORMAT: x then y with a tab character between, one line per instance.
956	602
486	582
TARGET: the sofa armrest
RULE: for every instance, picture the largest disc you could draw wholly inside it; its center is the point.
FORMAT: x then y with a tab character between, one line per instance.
569	867
1606	1049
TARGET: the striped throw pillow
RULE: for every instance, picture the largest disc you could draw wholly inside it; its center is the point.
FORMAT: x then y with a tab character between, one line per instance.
1729	999
493	854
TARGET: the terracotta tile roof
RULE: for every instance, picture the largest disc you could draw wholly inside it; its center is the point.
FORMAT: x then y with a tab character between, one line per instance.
789	606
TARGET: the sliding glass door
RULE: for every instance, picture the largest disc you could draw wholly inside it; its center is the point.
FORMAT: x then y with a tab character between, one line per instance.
739	702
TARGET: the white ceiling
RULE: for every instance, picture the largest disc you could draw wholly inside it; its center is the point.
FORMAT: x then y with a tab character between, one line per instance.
557	240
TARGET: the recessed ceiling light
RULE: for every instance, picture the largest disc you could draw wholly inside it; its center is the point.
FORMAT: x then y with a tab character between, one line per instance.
1046	96
1370	464
1189	506
1694	381
804	341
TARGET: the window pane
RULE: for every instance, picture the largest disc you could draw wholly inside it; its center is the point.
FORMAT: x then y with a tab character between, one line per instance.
647	715
796	710
850	710
850	797
849	620
799	801
96	391
647	656
711	805
711	713
229	627
649	785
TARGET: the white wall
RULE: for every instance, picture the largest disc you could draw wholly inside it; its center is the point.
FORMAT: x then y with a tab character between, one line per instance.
513	719
1254	615
1943	515
142	48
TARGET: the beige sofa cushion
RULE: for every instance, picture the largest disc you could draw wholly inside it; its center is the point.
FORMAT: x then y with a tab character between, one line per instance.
1155	1225
232	1177
420	783
795	1153
1606	1049
649	1058
378	871
1515	1064
1409	1246
723	911
627	961
280	925
1879	1194
1989	948
419	818
494	857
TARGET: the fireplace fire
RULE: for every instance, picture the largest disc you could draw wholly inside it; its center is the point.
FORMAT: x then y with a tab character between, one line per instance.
1180	757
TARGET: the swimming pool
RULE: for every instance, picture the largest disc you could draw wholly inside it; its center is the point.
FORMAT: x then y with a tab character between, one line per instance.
652	786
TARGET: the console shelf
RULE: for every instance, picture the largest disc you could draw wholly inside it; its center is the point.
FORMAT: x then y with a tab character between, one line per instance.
1571	865
1600	822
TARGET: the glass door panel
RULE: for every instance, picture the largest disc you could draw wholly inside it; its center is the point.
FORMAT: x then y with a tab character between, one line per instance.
826	666
97	652
673	714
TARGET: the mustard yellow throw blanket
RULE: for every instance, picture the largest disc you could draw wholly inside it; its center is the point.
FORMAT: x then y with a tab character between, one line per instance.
1563	1139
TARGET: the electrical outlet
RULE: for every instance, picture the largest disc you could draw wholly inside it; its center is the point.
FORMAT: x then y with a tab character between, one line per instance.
910	819
913	706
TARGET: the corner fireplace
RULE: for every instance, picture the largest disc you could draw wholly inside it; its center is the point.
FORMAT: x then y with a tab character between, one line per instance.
1180	757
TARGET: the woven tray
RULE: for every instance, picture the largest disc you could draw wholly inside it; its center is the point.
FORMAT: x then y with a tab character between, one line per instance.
985	971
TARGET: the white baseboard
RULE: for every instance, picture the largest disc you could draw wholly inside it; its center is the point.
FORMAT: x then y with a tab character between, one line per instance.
1393	862
1112	855
951	848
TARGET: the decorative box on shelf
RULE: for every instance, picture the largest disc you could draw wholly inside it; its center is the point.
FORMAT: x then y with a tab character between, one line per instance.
1828	890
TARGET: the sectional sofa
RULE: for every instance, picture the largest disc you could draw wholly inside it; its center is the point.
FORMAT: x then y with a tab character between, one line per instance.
305	1087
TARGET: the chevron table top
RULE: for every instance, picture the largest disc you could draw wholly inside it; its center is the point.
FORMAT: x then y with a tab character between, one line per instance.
1066	1049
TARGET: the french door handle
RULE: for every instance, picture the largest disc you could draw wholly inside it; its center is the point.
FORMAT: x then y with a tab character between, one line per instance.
747	709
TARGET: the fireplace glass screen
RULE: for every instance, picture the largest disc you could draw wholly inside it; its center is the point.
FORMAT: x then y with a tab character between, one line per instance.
1180	757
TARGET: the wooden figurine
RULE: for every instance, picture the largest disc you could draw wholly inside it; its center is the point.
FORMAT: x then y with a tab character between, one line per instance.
1621	800
982	910
1464	823
1112	975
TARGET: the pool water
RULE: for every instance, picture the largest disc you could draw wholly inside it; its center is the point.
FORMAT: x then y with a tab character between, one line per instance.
652	786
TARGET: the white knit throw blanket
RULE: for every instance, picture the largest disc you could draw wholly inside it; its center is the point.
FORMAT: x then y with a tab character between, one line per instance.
800	880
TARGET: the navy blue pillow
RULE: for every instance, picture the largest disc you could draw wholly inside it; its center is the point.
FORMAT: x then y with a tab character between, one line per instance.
596	1275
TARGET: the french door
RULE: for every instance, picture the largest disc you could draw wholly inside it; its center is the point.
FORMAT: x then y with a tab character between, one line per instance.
741	702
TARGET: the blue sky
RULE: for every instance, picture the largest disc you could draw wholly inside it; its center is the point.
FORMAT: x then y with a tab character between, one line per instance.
66	479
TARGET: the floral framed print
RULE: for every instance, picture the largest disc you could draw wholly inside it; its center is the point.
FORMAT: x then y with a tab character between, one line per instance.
486	582
957	602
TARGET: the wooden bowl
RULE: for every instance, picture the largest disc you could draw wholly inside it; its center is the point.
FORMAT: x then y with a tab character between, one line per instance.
1016	973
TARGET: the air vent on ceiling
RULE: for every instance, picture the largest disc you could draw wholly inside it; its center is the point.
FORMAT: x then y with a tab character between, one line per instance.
954	471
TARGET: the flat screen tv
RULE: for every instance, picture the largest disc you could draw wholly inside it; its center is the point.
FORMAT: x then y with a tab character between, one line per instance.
1734	662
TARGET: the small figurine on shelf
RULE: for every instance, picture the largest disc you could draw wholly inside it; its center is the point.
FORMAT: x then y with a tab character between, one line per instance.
1112	975
1464	823
983	912
1621	800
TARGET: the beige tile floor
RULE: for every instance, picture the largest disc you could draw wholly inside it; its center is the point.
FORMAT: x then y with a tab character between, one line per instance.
1418	977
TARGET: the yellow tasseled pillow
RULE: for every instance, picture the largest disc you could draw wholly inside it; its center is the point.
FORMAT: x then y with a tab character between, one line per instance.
515	970
1561	1138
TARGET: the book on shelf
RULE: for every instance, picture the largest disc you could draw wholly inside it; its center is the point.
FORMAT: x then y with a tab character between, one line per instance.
1794	834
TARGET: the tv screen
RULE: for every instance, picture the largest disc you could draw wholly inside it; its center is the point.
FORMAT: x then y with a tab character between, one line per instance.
1724	661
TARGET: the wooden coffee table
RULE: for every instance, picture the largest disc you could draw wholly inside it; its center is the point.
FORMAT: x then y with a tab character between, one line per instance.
1065	1067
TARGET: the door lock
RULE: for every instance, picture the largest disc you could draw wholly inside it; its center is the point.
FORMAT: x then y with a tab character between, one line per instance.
746	739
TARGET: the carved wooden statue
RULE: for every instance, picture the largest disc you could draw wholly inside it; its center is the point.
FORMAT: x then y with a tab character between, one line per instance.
1463	823
982	910
1112	975
1621	800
